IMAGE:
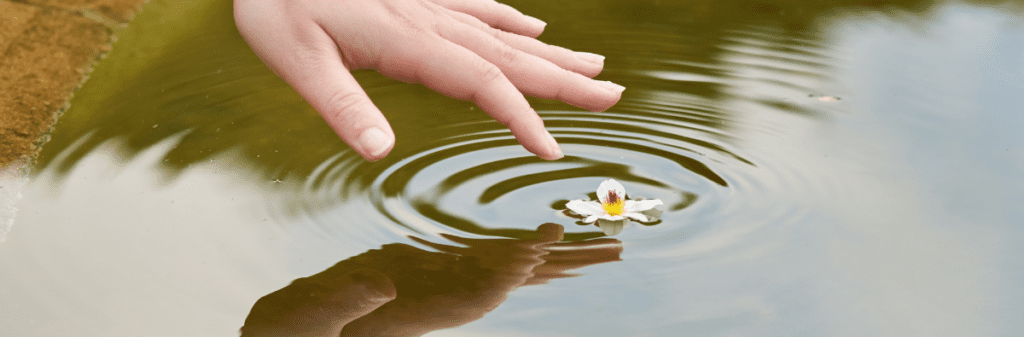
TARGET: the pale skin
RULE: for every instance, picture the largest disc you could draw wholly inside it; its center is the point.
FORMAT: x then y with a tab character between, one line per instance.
476	50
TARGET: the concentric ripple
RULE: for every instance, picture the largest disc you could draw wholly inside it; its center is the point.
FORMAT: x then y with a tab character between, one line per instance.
815	159
677	137
481	182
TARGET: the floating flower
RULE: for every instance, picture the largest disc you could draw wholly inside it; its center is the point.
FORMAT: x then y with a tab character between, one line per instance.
613	211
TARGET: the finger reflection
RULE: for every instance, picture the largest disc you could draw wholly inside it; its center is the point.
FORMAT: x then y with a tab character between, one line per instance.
401	290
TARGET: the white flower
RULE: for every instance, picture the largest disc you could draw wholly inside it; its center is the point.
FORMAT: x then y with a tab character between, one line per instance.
613	206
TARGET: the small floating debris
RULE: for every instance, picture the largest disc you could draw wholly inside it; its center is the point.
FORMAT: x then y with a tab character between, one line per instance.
613	212
825	98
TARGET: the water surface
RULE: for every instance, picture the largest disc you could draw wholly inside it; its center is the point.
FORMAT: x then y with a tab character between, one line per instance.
832	169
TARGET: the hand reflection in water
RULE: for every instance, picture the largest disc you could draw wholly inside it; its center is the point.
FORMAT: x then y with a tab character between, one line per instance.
400	290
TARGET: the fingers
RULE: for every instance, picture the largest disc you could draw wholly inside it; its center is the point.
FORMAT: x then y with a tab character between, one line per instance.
585	256
440	247
457	72
317	306
357	294
549	232
460	48
497	15
308	59
347	109
586	64
592	243
533	75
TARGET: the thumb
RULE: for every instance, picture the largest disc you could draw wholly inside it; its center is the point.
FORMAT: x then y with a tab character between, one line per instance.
348	110
309	60
319	305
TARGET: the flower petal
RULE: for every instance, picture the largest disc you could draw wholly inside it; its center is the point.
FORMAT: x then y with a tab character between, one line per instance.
591	218
652	214
611	227
610	185
584	208
635	206
636	216
611	217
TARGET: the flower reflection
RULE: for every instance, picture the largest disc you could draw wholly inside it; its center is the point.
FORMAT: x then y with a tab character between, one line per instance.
401	290
613	211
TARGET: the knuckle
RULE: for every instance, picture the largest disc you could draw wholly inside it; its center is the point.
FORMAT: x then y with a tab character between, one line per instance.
560	90
306	57
343	106
494	32
410	24
488	73
478	23
408	17
508	54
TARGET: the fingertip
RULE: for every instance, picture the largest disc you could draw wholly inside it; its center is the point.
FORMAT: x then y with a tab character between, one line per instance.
374	286
539	142
536	26
375	144
612	87
554	151
593	64
551	232
613	93
590	57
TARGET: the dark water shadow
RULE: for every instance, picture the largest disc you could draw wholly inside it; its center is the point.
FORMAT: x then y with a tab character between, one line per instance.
193	75
402	290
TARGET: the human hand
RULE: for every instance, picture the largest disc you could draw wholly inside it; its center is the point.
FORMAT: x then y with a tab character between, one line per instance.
319	305
477	50
401	290
457	286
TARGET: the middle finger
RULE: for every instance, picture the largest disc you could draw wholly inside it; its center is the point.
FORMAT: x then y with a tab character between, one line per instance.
585	64
530	74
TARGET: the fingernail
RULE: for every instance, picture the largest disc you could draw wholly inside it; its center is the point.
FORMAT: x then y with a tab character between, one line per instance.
554	145
373	285
536	21
590	57
374	142
611	86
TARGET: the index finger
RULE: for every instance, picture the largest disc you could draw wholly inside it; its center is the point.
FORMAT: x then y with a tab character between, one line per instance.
497	15
457	72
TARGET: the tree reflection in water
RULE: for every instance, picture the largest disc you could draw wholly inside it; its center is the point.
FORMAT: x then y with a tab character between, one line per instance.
401	290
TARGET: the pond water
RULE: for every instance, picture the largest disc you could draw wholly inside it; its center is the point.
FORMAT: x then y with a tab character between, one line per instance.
841	168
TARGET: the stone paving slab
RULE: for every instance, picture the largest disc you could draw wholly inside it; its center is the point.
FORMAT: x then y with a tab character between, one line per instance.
47	48
117	10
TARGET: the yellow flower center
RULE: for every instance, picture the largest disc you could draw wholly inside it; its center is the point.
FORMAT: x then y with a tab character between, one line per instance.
614	204
614	208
